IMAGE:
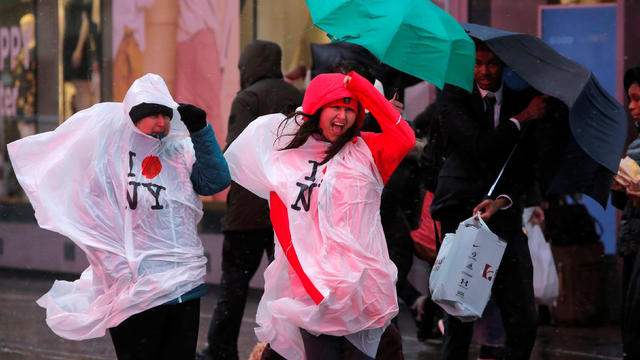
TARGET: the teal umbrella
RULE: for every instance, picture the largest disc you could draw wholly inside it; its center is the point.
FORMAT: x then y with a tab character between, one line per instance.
413	36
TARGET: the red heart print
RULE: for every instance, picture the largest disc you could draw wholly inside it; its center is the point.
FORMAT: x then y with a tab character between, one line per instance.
151	166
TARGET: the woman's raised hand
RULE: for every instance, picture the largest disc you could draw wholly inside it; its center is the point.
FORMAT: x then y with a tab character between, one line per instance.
347	78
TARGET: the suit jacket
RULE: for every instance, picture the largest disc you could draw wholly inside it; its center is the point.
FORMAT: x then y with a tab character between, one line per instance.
475	153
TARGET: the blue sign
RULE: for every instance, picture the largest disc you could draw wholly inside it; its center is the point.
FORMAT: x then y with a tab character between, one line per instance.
587	34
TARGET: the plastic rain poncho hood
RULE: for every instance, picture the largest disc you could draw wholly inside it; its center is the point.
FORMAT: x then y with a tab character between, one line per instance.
126	200
344	284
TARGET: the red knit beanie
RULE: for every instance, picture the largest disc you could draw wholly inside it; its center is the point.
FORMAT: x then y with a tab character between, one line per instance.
328	89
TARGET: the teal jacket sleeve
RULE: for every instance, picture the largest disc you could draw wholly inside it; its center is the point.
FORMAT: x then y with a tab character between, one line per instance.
210	173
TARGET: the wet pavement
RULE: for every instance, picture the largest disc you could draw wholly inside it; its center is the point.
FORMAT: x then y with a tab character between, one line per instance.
25	335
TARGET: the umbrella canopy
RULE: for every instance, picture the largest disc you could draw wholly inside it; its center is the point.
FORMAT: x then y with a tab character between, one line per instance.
597	122
324	56
413	36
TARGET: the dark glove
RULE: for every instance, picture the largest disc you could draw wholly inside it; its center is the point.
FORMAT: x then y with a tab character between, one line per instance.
193	117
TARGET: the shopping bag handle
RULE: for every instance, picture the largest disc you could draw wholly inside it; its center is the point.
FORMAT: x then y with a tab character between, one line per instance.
478	218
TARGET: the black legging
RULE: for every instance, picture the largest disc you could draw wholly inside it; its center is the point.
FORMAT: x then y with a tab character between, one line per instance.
323	347
162	332
631	307
390	347
241	255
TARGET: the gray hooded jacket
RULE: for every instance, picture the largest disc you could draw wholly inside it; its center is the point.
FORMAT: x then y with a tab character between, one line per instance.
263	92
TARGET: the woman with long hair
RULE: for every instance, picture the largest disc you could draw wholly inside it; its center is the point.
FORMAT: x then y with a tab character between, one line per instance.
625	196
330	292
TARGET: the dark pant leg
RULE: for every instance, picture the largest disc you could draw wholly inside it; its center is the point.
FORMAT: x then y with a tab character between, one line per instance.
139	336
627	269
181	331
488	331
513	292
401	253
324	347
631	310
162	332
456	338
390	347
270	354
321	347
400	246
241	256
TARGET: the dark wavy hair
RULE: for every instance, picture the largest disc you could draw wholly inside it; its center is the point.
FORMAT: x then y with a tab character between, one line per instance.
310	127
630	76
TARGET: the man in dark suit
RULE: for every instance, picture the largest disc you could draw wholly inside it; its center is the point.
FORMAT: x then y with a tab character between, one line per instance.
481	128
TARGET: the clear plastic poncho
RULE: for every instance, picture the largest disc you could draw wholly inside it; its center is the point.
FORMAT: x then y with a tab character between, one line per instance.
126	200
336	234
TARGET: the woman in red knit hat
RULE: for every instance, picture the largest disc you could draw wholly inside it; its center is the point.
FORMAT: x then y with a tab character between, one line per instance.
330	291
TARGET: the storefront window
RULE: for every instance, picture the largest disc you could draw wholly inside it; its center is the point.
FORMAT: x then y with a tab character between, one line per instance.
17	83
80	45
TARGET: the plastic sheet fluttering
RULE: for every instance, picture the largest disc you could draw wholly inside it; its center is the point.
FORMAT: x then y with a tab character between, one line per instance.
334	224
126	200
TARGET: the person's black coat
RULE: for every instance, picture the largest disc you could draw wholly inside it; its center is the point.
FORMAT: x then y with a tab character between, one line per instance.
476	152
264	91
628	240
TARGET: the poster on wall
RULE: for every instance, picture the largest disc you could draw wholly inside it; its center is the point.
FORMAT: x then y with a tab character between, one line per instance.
586	34
203	47
128	35
17	83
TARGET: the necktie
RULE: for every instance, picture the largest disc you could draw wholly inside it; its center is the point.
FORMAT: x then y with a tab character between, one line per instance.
490	102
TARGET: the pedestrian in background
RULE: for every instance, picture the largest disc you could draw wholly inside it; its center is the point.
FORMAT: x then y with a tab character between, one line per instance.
628	200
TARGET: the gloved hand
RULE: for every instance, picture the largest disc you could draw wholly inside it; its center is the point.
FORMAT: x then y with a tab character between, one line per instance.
193	117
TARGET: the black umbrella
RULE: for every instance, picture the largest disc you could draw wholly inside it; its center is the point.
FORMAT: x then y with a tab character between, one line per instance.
325	55
597	122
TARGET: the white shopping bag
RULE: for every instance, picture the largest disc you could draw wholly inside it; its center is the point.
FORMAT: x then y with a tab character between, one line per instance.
465	269
545	276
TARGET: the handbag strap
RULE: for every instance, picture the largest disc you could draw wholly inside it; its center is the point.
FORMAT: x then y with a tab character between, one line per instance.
493	187
437	235
479	219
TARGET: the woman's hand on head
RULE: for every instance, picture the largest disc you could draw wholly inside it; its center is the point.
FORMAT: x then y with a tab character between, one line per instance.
347	79
397	104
